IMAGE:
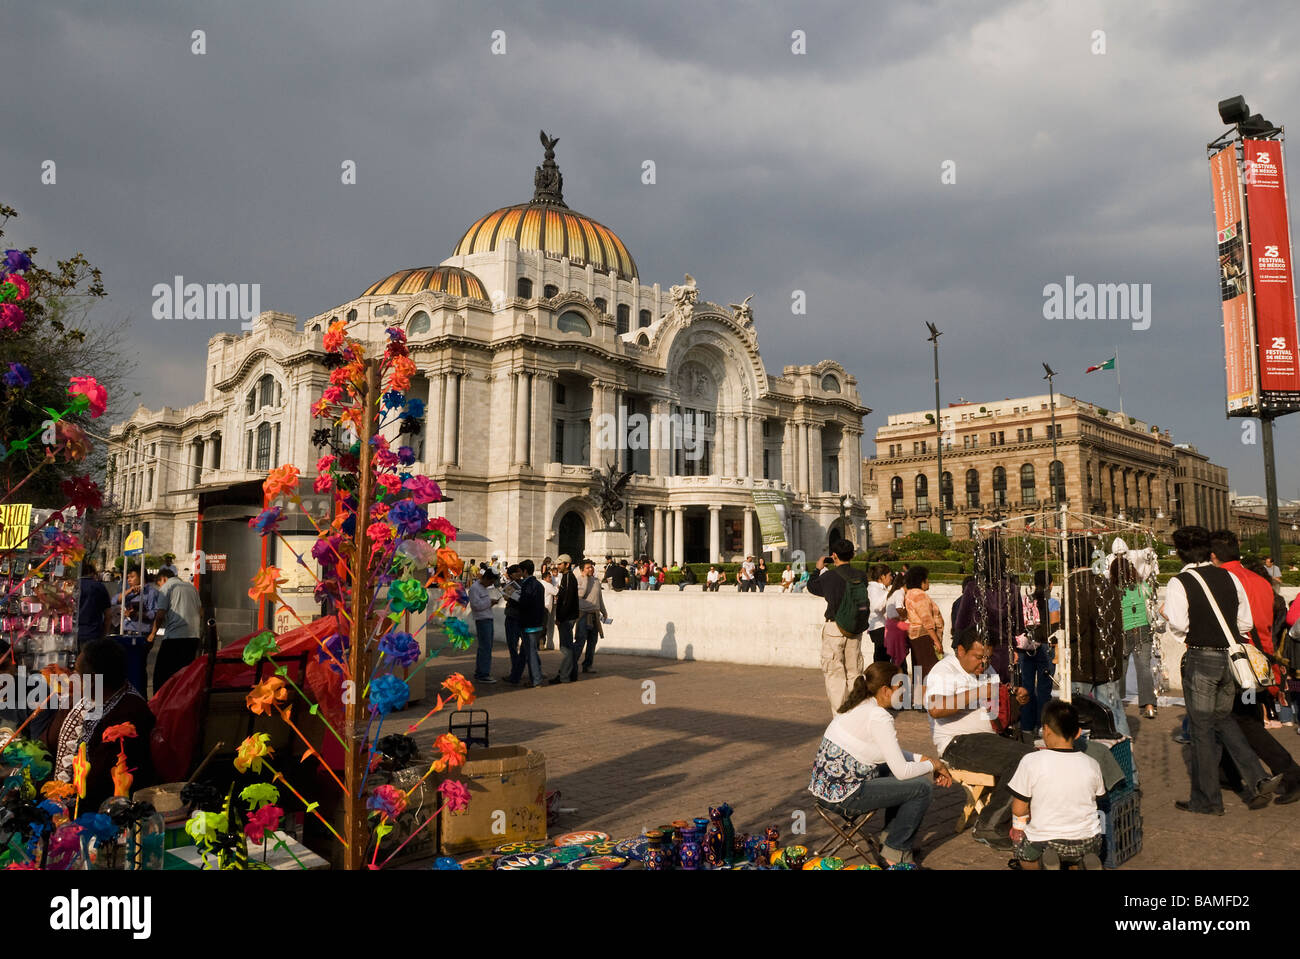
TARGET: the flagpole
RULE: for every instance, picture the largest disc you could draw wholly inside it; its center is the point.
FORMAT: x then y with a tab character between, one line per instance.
1118	385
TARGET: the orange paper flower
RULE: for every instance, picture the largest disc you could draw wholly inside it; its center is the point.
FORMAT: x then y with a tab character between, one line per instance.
403	368
461	688
80	770
252	751
267	695
58	791
450	565
281	480
452	750
122	731
265	583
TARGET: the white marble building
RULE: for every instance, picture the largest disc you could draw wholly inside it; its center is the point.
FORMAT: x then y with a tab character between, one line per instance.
534	327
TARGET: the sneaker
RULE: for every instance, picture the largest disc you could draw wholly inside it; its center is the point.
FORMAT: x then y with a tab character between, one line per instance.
588	669
1178	737
510	681
487	680
1258	801
1051	859
1187	807
1092	862
995	840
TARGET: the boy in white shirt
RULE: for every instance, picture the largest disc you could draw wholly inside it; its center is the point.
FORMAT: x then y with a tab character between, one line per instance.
1054	816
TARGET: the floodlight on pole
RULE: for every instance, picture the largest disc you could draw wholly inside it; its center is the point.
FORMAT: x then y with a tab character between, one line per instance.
938	420
1051	392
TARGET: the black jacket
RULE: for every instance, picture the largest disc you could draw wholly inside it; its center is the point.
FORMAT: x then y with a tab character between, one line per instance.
532	604
566	601
829	584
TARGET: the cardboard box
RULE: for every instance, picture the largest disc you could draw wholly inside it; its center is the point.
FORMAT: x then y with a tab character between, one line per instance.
507	786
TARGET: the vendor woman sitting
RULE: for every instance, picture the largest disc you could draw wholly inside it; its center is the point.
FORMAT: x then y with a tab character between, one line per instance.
860	766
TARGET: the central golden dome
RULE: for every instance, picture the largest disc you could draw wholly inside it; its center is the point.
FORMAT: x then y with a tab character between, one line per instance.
547	225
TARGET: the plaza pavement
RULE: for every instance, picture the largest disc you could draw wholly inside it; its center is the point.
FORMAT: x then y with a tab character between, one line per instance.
746	735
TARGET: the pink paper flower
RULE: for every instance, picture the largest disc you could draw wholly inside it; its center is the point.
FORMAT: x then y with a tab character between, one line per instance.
322	483
391	484
456	795
268	817
89	387
379	533
11	317
440	525
423	490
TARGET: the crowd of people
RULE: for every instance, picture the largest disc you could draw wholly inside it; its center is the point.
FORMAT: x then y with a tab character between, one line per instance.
988	697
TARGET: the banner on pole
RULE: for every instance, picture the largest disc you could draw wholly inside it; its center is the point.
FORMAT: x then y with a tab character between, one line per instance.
1234	285
773	510
1271	272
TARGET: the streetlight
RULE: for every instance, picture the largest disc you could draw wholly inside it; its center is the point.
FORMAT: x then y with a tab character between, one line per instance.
843	528
1051	392
938	423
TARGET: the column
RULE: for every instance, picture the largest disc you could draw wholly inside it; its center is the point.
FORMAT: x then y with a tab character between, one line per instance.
599	457
715	534
543	416
742	446
726	465
853	439
661	439
451	419
432	433
789	474
749	531
658	537
679	534
816	475
801	459
523	393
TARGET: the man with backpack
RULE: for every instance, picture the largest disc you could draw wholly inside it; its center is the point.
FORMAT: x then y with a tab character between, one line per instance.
848	611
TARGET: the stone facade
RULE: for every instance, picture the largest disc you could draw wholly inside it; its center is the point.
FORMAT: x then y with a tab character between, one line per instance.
533	382
1000	455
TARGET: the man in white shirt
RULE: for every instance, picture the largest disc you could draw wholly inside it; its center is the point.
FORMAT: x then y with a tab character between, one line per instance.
711	580
880	577
745	580
483	595
962	701
1203	603
1274	572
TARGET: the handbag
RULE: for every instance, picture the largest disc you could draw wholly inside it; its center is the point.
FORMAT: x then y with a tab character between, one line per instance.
1243	667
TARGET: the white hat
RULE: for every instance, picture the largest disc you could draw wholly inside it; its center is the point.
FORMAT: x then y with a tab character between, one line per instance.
1119	546
564	558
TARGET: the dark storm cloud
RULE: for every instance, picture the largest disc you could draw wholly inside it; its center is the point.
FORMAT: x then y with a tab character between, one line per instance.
775	172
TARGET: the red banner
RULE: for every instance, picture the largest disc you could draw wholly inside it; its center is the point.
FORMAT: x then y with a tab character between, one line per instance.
1234	284
1271	271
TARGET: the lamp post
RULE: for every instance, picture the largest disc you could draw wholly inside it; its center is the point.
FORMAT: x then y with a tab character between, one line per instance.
843	529
1051	393
938	423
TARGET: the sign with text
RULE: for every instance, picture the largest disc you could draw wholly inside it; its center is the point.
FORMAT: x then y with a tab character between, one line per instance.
216	562
773	509
134	544
1234	285
1272	275
15	523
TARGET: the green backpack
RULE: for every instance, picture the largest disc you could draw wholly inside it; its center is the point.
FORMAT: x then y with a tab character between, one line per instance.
855	608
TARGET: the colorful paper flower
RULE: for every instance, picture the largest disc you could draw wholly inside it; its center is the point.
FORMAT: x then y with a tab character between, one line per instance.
83	493
335	336
58	790
120	733
405	455
401	648
18	376
451	752
442	526
391	484
407	517
388	800
338	645
322	483
461	688
407	594
453	594
388	694
263	644
455	794
458	632
97	825
423	490
414	410
205	825
96	396
80	770
265	584
260	794
252	751
11	317
14	288
267	521
417	552
261	820
283	480
267	695
16	261
379	533
403	369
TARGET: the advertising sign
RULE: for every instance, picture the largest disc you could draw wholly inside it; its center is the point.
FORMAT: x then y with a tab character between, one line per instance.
1272	275
15	522
772	509
1234	285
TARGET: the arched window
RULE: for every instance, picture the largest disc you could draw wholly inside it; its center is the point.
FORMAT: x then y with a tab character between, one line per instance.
973	487
524	288
922	492
643	340
419	323
624	317
352	316
896	493
573	322
550	290
999	486
1028	495
314	328
250	402
601	304
1057	477
830	384
264	446
643	318
266	391
945	490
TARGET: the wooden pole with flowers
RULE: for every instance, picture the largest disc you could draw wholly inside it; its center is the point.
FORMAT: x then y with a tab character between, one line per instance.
356	728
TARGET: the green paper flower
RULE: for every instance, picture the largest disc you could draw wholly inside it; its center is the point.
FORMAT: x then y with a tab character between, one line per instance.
263	644
260	794
407	594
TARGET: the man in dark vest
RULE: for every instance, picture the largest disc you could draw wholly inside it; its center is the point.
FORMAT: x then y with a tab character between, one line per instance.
1202	603
566	612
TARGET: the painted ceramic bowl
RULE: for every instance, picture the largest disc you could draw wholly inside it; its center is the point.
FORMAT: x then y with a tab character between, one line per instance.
858	865
584	838
445	862
624	847
607	848
814	863
598	862
524	860
486	861
830	862
563	855
522	845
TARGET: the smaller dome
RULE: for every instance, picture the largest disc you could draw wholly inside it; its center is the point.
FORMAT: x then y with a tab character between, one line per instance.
451	280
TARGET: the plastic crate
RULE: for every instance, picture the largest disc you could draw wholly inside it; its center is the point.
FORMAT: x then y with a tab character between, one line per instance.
1123	753
1123	822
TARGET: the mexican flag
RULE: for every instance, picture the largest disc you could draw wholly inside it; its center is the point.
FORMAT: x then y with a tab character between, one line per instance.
1108	365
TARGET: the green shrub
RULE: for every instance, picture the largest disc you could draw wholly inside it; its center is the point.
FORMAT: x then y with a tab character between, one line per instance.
918	542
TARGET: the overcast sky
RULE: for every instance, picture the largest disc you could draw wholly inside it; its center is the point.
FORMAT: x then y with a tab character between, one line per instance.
775	171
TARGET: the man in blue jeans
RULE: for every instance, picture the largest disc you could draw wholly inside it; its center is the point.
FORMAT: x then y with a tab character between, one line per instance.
483	595
1202	604
530	622
566	615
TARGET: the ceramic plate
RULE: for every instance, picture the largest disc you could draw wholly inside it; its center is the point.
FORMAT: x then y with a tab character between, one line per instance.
607	848
480	862
524	860
563	855
632	849
522	845
581	838
598	862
